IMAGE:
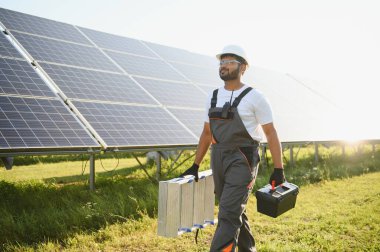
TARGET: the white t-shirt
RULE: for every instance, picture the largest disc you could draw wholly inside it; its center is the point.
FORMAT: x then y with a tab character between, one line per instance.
254	109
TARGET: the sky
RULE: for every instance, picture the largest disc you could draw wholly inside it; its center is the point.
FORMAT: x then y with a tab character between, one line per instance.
331	45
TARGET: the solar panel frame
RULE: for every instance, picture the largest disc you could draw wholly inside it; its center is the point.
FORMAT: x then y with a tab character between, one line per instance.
55	51
40	26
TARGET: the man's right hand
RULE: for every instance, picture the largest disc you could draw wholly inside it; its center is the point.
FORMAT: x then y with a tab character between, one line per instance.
193	170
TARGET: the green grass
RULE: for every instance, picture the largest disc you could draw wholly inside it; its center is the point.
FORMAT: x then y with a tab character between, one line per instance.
48	207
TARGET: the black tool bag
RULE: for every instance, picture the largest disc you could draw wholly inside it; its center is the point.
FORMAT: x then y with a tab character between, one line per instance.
276	201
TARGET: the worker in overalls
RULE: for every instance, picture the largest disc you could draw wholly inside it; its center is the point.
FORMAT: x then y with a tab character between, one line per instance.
235	113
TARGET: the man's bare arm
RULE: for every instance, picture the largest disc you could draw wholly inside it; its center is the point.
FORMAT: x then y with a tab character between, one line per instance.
204	144
274	144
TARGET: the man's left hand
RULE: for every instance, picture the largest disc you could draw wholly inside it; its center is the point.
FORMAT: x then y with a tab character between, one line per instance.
277	176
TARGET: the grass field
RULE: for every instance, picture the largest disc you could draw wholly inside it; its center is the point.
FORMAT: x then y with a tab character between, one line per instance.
47	207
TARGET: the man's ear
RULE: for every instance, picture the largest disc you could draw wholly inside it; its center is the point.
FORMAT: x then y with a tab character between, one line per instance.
243	68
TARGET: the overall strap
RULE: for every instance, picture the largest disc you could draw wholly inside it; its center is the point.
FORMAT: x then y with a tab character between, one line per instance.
238	99
214	98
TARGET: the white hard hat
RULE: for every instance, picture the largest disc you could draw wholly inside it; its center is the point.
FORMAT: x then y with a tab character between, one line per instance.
233	49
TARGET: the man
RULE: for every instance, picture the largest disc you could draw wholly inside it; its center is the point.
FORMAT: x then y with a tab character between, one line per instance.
235	112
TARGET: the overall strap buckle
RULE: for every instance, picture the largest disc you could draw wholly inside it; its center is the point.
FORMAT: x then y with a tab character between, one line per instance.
214	98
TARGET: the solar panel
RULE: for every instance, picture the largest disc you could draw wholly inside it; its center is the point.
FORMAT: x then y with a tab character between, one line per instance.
204	75
40	123
7	49
174	93
43	49
296	108
118	43
181	55
94	82
193	119
208	88
17	77
93	85
27	23
134	126
143	66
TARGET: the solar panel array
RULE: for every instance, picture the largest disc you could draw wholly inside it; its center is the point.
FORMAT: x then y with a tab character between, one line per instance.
131	93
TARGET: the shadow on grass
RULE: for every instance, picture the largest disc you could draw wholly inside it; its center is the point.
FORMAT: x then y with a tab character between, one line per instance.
34	212
45	159
100	174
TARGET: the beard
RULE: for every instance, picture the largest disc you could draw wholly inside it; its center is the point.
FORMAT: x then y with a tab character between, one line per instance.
233	75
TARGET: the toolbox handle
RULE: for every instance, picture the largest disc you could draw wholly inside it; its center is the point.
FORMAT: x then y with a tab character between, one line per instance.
273	183
273	189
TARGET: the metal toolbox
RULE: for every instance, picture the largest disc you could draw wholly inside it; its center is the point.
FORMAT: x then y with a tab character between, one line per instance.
274	202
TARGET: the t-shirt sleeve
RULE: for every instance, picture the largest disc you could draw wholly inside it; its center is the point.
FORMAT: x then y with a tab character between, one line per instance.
207	107
264	112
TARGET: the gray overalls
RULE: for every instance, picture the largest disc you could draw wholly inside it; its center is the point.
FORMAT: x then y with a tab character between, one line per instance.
234	163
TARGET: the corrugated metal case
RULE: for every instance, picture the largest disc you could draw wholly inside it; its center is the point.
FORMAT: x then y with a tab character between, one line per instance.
184	205
209	198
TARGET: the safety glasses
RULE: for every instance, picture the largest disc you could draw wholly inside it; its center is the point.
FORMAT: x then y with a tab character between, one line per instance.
228	62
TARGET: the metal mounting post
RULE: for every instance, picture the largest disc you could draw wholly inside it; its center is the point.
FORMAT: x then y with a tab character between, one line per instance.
92	172
263	156
316	154
291	156
373	149
158	163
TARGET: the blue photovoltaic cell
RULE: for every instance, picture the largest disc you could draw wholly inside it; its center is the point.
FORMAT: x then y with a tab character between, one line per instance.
193	119
19	78
148	67
181	55
40	123
7	49
93	85
49	50
27	23
208	76
134	126
118	43
173	93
